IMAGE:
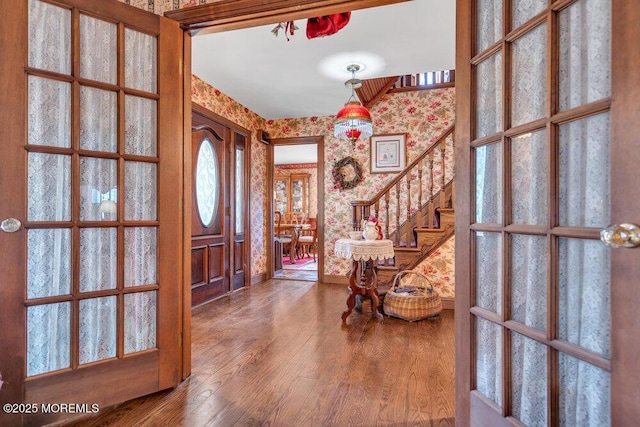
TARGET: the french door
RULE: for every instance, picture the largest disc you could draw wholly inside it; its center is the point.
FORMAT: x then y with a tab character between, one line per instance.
546	136
92	142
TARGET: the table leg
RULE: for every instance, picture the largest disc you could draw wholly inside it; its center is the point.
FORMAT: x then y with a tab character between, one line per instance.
351	299
373	293
358	286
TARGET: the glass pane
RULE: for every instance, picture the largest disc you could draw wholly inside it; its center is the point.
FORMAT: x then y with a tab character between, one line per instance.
529	381
98	259
529	169
140	132
98	50
239	191
585	172
489	360
49	187
140	252
585	394
48	338
140	60
488	161
296	195
280	195
49	112
97	178
140	195
97	329
489	271
207	182
489	96
584	295
529	82
585	52
139	321
489	23
48	262
523	10
529	280
49	37
98	120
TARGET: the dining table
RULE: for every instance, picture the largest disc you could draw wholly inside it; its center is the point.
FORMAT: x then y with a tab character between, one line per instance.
295	229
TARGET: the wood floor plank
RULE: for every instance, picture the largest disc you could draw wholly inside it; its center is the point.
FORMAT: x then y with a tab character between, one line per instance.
278	354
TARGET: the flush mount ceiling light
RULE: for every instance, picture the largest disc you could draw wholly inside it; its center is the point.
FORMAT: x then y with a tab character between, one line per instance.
353	120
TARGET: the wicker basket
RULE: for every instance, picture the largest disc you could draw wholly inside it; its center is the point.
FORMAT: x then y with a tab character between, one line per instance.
419	304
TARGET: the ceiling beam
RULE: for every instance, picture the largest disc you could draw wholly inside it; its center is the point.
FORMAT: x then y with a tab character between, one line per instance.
225	15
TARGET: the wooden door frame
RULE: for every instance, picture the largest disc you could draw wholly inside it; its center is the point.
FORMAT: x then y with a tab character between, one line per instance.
319	141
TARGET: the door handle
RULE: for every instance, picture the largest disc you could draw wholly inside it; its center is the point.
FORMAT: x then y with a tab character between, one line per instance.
10	225
621	235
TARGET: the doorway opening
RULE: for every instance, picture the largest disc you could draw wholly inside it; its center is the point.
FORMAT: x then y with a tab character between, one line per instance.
295	204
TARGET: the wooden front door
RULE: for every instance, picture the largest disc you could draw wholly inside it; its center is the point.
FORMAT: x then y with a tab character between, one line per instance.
90	118
546	157
210	220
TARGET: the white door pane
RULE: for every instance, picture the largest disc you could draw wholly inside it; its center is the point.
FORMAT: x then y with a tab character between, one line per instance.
489	360
98	119
98	258
140	191
585	172
48	338
528	381
489	96
529	187
97	329
49	37
529	71
585	53
140	256
529	280
49	112
98	50
139	321
140	60
489	271
49	187
584	295
48	262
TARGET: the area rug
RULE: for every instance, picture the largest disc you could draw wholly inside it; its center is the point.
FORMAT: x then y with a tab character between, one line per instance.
301	264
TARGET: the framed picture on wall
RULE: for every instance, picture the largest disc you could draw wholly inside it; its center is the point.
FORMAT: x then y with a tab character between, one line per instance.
388	153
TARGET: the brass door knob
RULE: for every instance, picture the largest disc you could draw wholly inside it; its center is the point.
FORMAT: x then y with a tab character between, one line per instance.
621	236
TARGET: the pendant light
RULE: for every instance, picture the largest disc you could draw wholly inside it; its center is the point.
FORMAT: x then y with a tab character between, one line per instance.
353	120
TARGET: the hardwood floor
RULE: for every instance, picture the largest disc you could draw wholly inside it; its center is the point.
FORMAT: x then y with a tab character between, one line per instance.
278	354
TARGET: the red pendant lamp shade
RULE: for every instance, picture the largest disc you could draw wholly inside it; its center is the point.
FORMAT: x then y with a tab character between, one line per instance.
353	120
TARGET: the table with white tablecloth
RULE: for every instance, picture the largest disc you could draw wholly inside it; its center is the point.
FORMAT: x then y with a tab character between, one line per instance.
364	255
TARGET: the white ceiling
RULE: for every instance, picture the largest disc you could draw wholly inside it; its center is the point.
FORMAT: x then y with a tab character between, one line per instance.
277	78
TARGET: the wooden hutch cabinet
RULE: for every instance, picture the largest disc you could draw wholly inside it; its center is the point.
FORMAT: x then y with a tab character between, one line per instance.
291	192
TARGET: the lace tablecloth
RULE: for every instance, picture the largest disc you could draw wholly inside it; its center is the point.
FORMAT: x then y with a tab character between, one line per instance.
364	249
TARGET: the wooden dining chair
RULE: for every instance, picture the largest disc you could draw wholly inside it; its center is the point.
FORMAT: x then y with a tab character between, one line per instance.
308	241
284	238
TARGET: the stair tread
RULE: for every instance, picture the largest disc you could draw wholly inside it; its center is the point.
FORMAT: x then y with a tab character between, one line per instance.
428	230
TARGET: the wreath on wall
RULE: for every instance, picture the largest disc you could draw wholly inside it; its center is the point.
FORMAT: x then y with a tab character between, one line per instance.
341	172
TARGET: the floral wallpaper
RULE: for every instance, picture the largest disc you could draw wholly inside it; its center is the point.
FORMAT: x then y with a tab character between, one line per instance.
439	267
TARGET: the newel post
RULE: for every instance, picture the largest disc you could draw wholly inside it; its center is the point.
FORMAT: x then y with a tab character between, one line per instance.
361	210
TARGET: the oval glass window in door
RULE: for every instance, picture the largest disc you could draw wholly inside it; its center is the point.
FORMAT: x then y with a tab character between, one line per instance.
207	181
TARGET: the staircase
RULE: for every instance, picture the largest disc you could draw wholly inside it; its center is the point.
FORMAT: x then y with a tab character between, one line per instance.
416	209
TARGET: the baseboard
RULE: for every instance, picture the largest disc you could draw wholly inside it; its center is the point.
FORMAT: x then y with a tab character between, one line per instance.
339	280
258	278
